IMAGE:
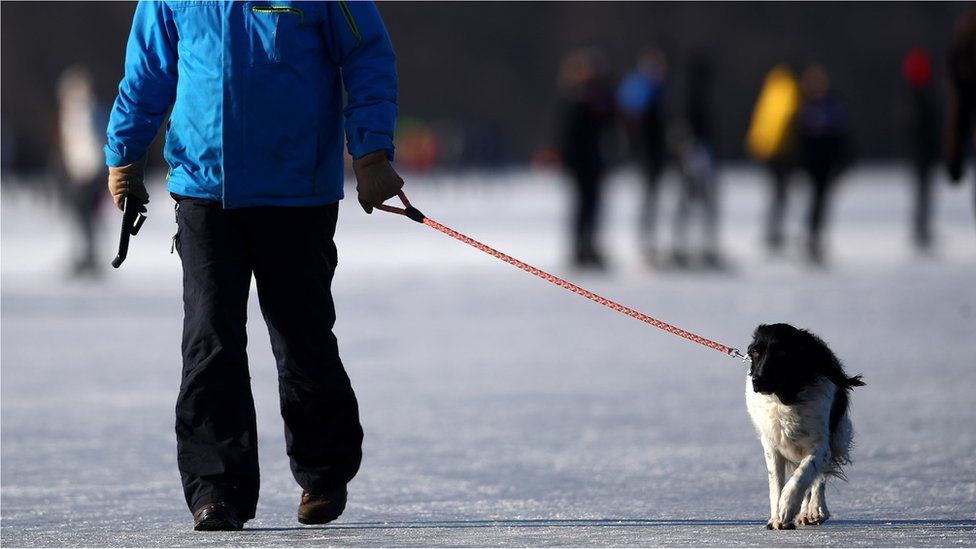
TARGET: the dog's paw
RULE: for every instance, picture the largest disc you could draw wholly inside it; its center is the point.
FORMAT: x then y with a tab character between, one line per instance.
814	517
775	524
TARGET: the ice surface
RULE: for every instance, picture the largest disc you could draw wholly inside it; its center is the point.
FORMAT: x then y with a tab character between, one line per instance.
499	409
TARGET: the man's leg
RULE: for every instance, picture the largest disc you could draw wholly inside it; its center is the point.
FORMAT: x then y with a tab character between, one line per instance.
581	203
647	221
215	422
922	226
295	258
816	218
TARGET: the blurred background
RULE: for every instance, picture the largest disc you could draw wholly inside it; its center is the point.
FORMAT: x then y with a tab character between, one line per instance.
675	93
500	63
715	165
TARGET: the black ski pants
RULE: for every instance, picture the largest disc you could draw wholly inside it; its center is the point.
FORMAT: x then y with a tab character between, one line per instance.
291	254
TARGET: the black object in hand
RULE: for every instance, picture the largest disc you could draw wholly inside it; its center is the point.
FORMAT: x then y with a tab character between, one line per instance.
133	216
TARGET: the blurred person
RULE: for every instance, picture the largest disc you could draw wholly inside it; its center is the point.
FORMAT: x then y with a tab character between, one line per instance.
641	101
417	145
962	96
79	141
923	131
772	140
696	159
254	145
586	117
823	125
8	147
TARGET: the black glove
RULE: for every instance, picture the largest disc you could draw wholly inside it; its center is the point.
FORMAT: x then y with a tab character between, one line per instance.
376	180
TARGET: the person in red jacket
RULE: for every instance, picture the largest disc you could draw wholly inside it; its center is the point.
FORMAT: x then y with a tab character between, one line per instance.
923	132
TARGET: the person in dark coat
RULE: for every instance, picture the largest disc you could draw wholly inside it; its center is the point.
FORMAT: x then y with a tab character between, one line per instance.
823	125
962	96
587	115
923	132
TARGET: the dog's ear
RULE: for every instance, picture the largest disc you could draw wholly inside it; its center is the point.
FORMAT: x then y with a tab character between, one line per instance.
789	362
776	359
756	349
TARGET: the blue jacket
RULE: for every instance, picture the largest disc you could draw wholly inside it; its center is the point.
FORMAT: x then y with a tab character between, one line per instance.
256	90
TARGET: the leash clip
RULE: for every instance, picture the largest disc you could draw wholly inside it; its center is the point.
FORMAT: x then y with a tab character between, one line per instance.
735	353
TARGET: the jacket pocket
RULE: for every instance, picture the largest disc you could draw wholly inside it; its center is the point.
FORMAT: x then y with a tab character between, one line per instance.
271	30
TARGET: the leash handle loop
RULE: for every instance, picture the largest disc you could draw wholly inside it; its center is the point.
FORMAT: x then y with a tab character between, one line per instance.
408	210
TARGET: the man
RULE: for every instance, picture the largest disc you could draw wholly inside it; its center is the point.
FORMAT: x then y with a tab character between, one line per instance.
962	91
254	145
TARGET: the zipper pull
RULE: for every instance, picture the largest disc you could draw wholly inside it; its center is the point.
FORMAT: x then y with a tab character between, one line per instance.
176	219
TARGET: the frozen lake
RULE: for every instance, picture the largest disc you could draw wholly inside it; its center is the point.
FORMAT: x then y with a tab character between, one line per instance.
500	410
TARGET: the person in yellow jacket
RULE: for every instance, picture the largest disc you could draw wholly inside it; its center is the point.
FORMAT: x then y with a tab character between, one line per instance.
771	139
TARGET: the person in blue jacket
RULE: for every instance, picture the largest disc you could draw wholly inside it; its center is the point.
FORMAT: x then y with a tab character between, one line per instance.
254	147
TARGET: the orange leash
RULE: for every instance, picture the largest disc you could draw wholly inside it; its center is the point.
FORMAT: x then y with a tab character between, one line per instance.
413	213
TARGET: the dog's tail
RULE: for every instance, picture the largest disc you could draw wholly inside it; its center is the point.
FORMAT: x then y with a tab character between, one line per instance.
854	382
829	365
838	378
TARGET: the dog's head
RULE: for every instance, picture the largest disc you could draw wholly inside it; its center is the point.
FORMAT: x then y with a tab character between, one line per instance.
785	360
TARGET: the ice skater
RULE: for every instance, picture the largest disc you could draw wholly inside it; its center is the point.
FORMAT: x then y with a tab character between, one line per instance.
693	144
586	118
641	98
772	139
923	133
824	127
254	145
80	123
962	97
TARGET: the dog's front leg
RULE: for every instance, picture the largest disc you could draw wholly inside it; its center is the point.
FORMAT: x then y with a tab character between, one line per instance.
774	469
816	510
802	519
796	488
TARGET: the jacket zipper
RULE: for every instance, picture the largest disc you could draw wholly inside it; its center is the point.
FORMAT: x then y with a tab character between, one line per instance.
351	21
281	9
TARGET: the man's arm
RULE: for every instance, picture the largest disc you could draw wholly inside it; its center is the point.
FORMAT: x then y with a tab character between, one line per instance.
149	86
145	95
369	75
368	64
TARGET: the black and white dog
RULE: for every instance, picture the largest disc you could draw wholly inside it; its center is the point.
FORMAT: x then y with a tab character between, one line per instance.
796	393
